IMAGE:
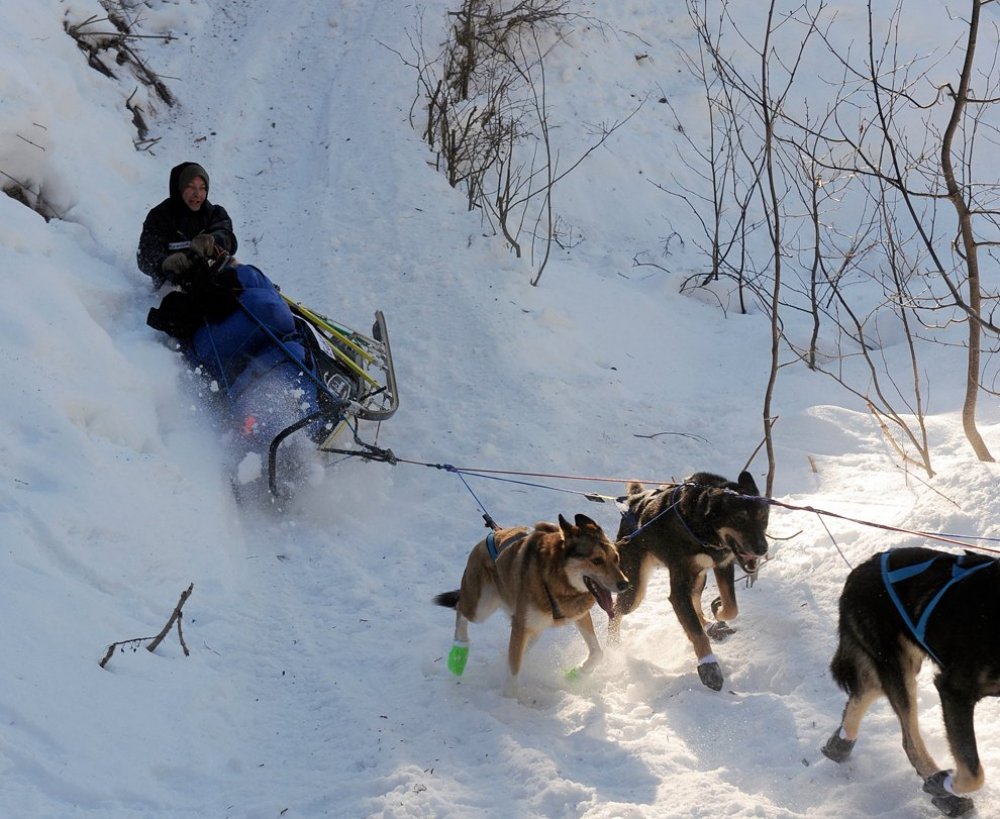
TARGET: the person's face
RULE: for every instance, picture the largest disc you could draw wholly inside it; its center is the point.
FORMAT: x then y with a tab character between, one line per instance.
195	192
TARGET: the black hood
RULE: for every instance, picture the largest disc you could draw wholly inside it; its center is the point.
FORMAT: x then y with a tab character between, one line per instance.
175	178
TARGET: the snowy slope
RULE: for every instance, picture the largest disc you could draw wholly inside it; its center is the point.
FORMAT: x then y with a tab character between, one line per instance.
316	683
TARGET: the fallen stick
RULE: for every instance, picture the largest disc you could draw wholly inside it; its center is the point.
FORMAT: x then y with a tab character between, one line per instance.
175	617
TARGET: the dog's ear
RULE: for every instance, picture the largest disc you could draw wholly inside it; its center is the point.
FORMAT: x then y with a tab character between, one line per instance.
746	484
566	526
584	522
634	488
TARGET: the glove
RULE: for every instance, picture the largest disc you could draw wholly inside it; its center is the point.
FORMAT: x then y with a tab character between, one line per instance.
204	245
175	266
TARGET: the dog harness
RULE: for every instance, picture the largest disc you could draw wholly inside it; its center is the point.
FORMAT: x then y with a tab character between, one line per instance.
632	519
494	550
491	543
890	577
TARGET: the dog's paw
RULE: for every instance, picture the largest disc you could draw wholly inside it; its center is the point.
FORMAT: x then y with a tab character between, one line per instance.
944	800
578	675
458	657
837	748
719	631
710	674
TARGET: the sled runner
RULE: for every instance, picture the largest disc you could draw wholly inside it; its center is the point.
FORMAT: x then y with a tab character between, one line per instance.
342	356
277	366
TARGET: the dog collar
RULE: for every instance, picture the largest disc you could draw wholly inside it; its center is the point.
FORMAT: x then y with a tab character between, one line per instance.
675	504
556	611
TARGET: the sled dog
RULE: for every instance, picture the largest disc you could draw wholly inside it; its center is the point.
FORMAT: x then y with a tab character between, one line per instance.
544	576
704	523
898	608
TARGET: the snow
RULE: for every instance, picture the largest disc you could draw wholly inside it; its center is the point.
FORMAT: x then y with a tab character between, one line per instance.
316	683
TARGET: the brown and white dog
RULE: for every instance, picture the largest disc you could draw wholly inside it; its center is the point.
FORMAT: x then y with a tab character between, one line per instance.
544	576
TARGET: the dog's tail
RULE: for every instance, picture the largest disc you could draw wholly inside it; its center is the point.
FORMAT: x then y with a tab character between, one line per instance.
857	658
844	671
448	599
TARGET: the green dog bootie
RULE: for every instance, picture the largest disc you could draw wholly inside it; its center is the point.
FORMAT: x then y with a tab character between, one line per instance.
458	657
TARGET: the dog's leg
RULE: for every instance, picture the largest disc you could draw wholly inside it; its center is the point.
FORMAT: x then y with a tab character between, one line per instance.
898	676
615	628
477	600
724	606
946	789
958	709
519	639
900	687
855	709
461	627
681	598
839	746
637	571
697	587
459	654
585	625
854	672
725	579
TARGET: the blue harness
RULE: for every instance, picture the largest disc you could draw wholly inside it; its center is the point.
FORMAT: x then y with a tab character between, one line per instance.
890	577
494	549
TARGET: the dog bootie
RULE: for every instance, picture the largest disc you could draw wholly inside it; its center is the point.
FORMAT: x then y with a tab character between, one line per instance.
944	800
458	657
710	673
837	747
719	631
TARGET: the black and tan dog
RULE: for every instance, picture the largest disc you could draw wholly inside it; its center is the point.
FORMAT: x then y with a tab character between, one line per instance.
704	523
545	576
897	608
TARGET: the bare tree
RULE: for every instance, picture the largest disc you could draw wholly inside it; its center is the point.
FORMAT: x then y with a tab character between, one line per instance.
758	150
487	116
929	167
849	219
969	242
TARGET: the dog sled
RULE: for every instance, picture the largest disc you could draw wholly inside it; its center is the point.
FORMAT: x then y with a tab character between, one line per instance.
279	372
343	355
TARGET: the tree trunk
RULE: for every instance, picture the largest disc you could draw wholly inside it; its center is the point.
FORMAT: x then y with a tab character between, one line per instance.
969	246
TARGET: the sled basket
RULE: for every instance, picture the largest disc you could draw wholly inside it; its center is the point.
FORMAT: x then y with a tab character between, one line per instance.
358	375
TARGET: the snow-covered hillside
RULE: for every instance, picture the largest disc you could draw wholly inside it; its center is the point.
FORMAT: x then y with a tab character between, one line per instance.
316	682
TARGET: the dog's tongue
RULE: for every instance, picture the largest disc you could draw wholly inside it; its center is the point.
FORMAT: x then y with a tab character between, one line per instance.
602	595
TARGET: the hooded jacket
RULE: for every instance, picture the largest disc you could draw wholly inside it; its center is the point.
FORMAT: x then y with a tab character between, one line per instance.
171	225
